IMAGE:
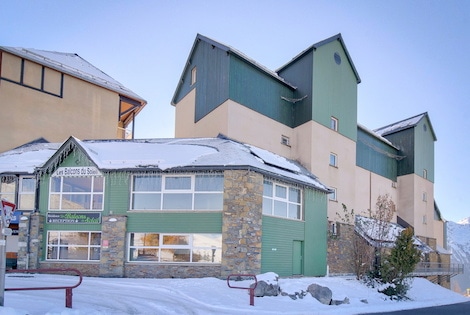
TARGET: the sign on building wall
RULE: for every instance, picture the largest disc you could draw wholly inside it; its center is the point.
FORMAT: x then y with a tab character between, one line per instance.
74	217
77	171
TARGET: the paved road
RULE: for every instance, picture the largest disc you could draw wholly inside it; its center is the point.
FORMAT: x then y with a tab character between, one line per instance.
452	309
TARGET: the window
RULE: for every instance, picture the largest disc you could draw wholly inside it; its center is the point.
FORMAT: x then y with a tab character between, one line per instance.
76	193
26	193
333	195
285	141
8	188
425	196
333	160
282	200
175	248
193	75
177	192
65	245
21	191
425	173
334	123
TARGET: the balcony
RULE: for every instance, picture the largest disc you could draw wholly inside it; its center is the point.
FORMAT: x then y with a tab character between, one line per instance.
424	269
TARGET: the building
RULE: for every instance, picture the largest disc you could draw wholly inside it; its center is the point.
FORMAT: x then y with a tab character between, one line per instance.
307	111
171	208
40	89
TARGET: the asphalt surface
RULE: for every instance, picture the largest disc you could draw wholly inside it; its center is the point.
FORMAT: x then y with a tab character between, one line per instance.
452	309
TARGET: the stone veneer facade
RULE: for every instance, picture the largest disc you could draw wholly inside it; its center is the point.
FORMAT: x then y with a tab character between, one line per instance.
241	239
242	222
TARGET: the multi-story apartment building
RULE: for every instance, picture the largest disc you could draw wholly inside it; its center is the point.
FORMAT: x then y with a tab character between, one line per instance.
55	95
307	111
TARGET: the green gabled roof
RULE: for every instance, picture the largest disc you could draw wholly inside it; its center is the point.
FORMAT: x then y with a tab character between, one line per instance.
337	37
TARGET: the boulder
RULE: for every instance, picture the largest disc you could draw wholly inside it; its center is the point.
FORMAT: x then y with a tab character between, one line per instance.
265	289
322	294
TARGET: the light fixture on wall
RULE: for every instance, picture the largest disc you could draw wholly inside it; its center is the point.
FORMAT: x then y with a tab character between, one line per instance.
24	218
112	219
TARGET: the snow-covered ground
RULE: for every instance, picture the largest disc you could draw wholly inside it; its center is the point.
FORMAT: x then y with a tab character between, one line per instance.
119	296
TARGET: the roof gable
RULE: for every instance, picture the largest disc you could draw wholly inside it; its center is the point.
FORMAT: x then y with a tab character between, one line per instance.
314	47
405	124
74	65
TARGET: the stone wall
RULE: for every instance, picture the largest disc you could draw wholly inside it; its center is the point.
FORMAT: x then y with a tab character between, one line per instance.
30	240
113	246
340	249
242	222
142	270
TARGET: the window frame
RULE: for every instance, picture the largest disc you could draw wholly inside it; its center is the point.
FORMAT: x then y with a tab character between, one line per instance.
165	193
276	199
162	247
335	159
92	193
333	196
59	246
193	75
334	122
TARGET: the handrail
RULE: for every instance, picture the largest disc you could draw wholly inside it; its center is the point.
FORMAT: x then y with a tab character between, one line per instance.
250	288
68	289
436	268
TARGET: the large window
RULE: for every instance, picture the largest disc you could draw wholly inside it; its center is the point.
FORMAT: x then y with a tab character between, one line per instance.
282	200
19	190
65	245
177	192
175	248
76	193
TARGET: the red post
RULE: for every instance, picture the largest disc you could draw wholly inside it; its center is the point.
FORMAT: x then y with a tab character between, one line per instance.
68	297
252	296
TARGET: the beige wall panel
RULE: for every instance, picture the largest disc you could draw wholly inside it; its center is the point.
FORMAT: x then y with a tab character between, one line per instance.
406	193
52	81
32	75
11	67
86	111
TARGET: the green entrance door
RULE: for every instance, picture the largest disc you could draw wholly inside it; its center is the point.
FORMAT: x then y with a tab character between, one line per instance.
297	259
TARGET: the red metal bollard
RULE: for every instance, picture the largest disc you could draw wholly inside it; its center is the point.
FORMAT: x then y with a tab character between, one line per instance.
251	289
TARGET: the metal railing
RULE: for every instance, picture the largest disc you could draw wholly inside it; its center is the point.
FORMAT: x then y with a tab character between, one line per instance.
68	289
437	269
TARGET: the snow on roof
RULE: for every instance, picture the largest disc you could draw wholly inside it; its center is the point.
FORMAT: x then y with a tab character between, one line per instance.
25	159
74	65
192	154
383	234
400	125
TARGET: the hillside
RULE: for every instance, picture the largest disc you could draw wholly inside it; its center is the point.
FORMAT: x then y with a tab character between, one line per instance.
459	243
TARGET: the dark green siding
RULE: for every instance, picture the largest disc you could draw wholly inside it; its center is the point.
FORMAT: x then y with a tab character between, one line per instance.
212	65
375	155
300	74
260	92
277	244
117	193
187	222
405	140
315	248
279	236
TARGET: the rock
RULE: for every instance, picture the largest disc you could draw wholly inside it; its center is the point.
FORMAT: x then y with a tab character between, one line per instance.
265	289
336	302
322	294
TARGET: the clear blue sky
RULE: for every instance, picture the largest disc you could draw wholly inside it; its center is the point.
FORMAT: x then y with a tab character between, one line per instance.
411	56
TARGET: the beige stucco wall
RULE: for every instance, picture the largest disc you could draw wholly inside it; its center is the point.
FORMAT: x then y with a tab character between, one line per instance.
416	211
85	111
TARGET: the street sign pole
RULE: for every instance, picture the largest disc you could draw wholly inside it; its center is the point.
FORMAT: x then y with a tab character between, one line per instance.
6	210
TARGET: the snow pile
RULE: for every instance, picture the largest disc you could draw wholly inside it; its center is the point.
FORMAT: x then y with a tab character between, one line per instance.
119	296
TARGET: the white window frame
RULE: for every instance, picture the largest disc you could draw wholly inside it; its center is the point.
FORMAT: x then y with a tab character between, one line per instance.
334	195
333	159
166	192
425	173
63	245
26	194
191	247
92	193
8	188
334	123
193	75
269	202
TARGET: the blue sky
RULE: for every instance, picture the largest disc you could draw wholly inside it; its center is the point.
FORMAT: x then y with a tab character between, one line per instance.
411	56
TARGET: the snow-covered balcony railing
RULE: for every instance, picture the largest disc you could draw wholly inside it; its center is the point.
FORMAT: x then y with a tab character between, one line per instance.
437	269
